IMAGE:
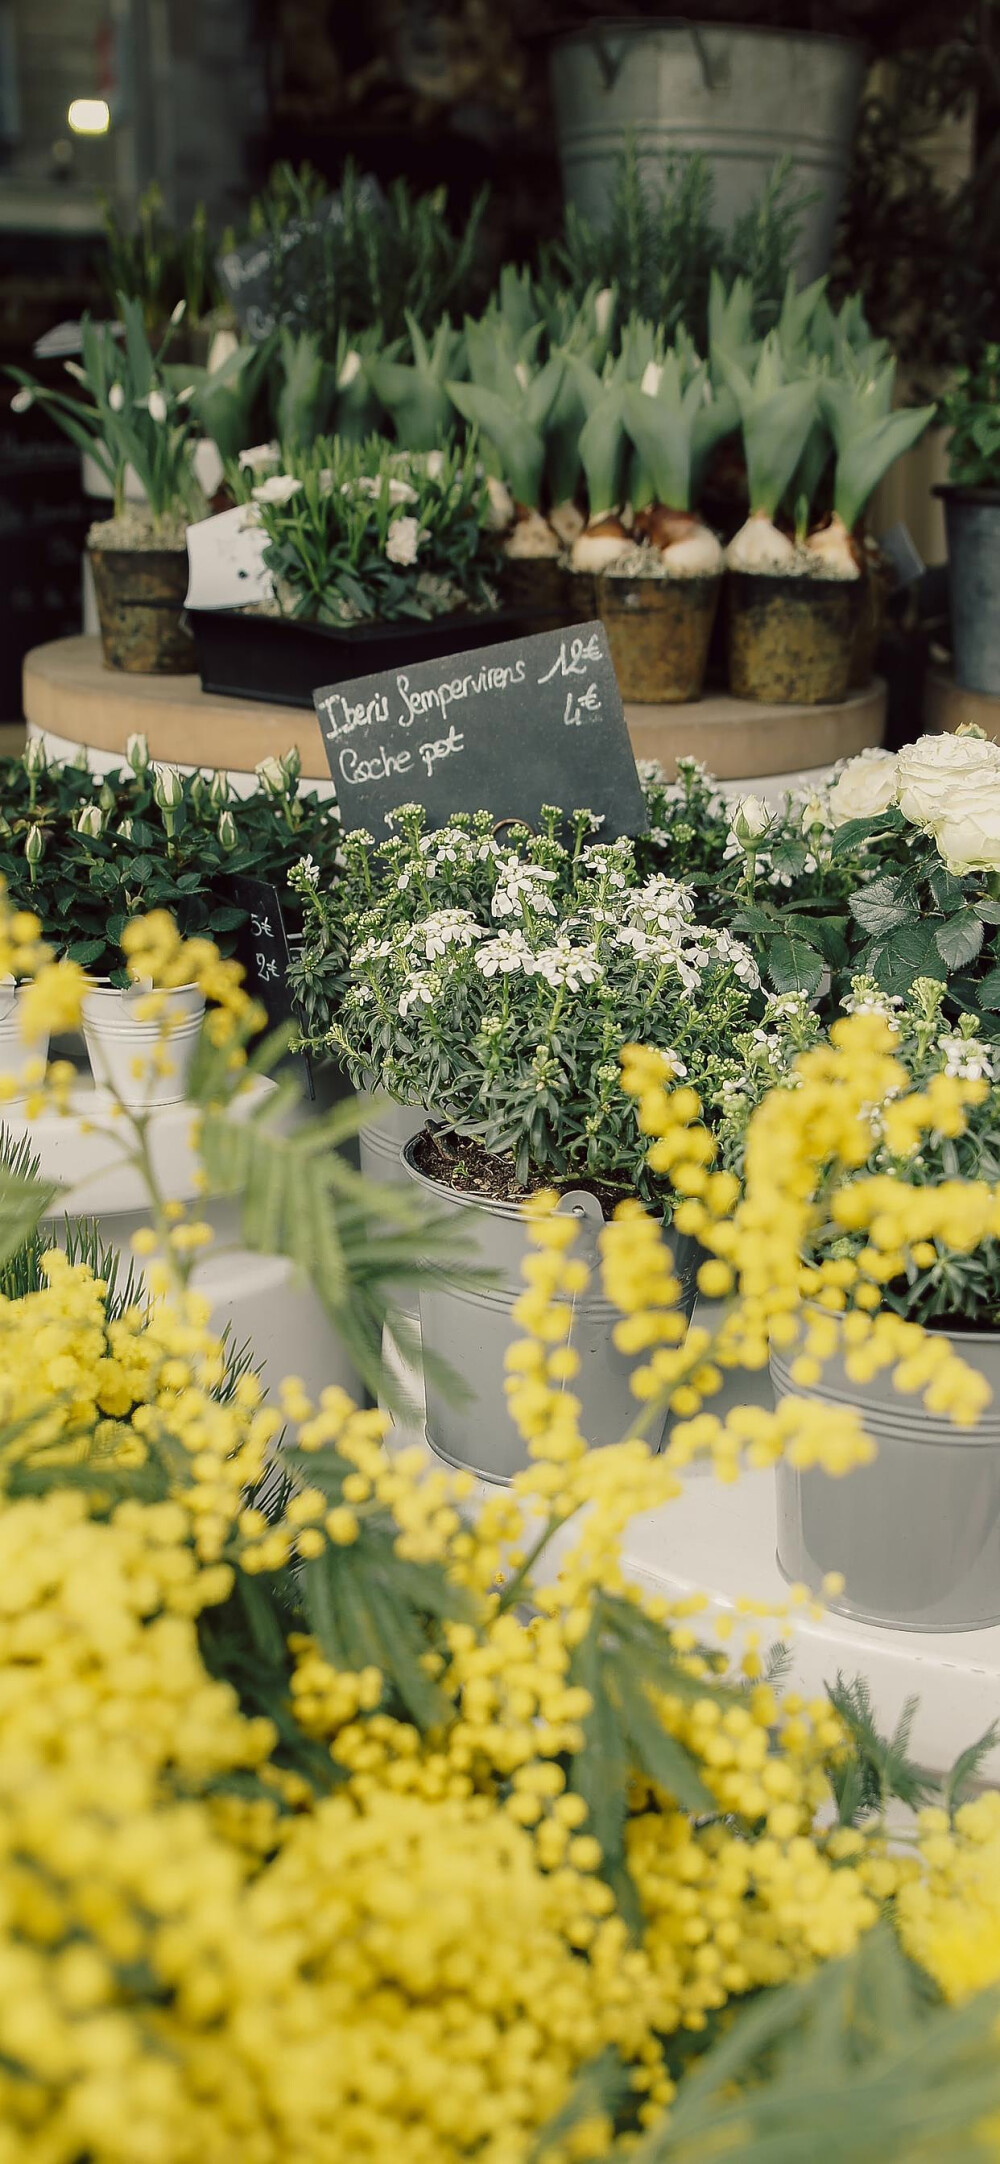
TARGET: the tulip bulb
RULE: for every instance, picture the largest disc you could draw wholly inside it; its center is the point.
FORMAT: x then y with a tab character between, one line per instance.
599	545
531	539
834	552
759	546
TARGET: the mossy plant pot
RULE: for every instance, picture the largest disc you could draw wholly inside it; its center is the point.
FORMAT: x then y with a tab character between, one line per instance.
472	1327
545	593
658	633
972	517
916	1534
790	639
140	598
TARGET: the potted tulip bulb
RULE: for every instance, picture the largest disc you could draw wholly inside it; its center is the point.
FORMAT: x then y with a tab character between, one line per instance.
130	416
512	413
657	599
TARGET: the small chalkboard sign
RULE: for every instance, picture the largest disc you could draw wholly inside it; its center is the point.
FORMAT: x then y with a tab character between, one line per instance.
503	729
272	278
263	947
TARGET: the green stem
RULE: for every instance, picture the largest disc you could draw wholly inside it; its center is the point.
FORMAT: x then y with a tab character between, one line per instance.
512	1590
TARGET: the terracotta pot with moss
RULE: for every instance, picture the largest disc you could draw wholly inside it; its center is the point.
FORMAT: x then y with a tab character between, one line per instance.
140	573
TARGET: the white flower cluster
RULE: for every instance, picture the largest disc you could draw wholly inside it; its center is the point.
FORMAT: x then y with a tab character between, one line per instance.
521	886
948	785
967	1058
443	929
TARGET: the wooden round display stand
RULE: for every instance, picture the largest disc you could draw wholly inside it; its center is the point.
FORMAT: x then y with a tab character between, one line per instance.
738	740
947	706
71	697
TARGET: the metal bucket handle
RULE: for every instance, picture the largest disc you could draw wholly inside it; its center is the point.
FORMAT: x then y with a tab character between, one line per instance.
8	997
610	62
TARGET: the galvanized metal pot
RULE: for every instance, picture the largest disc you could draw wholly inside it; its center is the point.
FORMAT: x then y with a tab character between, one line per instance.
741	97
972	516
916	1534
380	1142
472	1328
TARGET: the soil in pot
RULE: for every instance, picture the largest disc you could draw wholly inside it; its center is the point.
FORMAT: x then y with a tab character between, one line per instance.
658	632
790	638
140	585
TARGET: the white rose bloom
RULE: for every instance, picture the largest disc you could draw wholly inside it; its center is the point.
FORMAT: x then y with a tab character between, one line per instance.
750	821
864	787
402	541
278	488
967	831
261	458
934	766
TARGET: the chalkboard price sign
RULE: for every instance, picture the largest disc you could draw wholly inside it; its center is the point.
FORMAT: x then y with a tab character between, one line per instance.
504	729
272	279
263	947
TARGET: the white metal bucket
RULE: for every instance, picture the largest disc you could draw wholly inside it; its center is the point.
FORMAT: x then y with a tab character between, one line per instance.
125	1052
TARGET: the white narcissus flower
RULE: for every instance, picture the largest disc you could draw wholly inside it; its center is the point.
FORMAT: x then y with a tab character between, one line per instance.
156	407
931	768
402	541
116	398
22	399
749	822
279	488
74	369
864	787
177	313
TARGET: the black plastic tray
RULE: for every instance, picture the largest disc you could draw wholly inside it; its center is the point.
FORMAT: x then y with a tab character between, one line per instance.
283	662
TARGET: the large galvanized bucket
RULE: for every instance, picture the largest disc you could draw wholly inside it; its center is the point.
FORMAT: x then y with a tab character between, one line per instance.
471	1329
740	97
380	1142
916	1534
972	516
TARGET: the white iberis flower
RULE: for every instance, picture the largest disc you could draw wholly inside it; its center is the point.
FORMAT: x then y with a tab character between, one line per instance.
504	955
566	965
865	998
739	958
419	990
518	883
308	869
967	1058
445	928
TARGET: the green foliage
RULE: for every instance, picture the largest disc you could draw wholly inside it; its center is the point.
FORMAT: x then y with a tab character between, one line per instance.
158	264
858	2065
971	409
131	413
380	259
660	245
880	1767
87	885
374	533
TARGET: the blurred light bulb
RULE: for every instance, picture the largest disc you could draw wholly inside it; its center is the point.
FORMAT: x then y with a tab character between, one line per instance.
89	116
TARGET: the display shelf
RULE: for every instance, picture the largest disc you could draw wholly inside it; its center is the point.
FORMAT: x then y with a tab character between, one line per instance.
83	1150
718	1541
70	699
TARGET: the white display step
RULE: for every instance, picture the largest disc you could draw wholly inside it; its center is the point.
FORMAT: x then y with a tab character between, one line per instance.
718	1541
85	1149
